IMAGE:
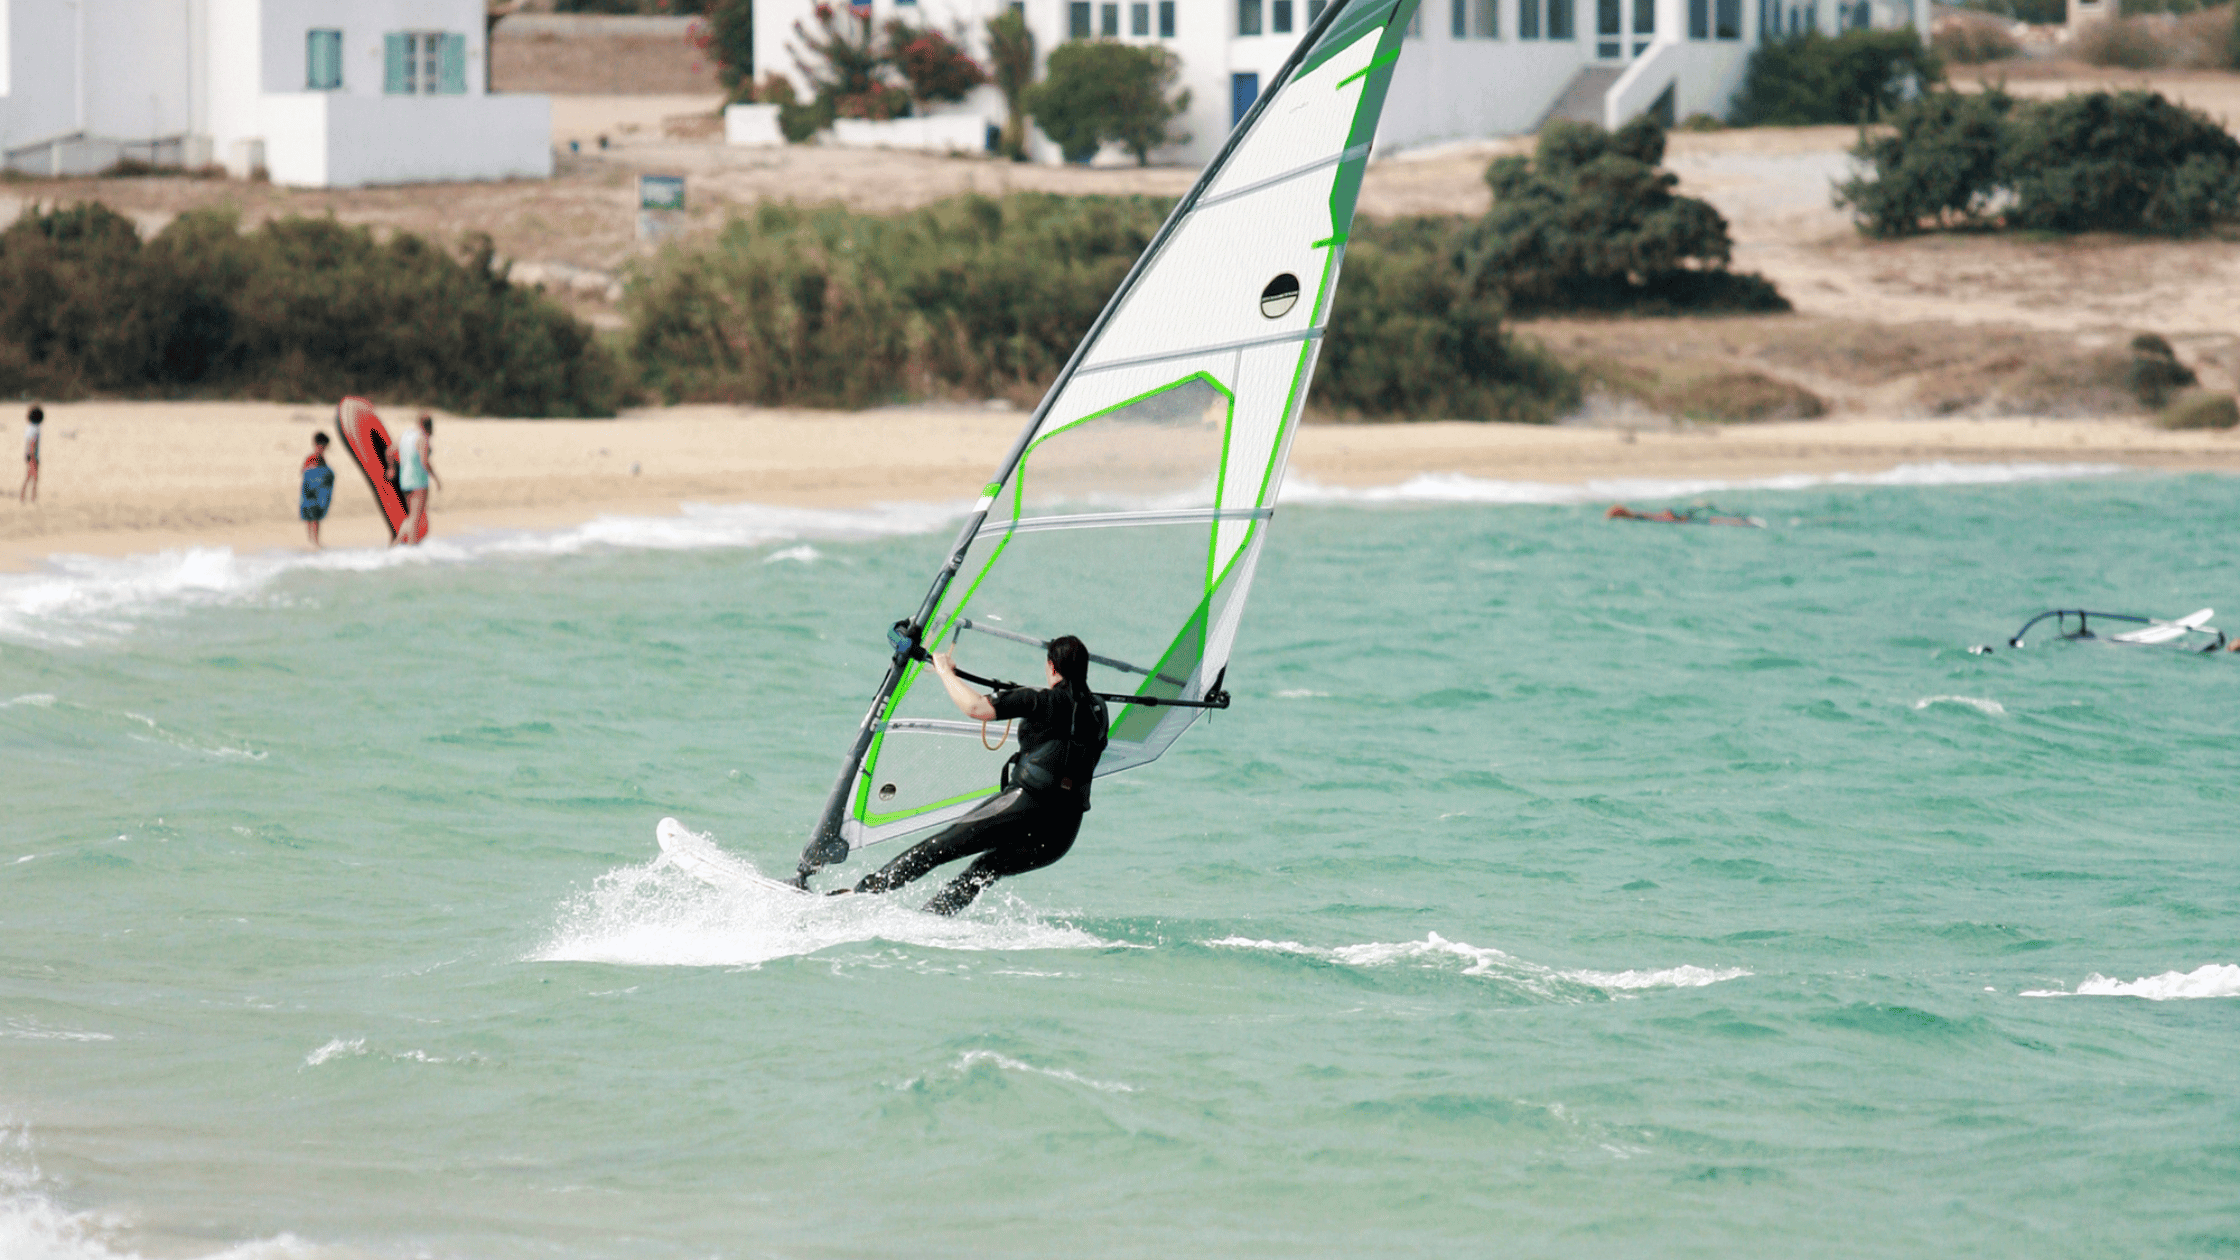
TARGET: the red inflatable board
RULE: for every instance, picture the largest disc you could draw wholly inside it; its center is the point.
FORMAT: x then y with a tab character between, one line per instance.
367	440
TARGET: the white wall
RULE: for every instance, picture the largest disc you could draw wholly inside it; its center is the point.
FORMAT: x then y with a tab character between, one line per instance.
347	139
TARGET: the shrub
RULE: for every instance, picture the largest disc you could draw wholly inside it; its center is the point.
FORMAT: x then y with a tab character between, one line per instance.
1972	39
931	63
1591	223
2198	40
299	308
2200	409
725	35
1941	163
1409	338
849	74
1856	77
978	296
2155	373
2116	162
1095	91
1011	52
2121	162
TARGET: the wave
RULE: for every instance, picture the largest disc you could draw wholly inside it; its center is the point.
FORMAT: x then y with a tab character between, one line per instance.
2210	981
655	916
78	598
34	1227
1460	488
1544	981
1989	708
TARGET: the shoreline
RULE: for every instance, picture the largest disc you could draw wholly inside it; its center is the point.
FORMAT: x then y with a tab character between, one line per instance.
125	479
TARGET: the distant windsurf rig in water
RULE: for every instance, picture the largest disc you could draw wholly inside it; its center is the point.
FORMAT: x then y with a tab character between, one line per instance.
2190	633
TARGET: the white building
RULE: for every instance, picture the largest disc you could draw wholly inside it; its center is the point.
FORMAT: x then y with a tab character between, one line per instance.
1470	69
322	93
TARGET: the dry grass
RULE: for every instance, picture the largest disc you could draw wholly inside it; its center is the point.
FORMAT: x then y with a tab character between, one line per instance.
2201	40
2200	410
1799	366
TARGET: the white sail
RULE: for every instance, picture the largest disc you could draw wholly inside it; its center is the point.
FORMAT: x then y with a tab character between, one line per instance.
1131	510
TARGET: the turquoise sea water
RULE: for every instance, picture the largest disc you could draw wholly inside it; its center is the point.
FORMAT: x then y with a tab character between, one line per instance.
1555	888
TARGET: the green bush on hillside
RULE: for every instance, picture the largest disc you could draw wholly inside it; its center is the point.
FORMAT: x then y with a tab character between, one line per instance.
2101	161
297	309
976	297
1591	223
1099	91
1859	76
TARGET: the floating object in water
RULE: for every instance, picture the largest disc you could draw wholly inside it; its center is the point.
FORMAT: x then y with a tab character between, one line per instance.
2191	633
1698	515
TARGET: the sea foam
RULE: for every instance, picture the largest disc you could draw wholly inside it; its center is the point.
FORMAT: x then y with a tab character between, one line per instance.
653	916
2210	981
1476	960
78	598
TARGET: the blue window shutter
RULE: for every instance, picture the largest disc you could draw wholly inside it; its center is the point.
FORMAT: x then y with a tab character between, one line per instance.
451	70
396	52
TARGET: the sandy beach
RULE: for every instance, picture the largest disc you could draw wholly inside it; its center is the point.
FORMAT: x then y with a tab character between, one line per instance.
130	478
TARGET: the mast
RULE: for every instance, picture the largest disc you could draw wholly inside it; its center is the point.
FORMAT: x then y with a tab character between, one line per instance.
827	844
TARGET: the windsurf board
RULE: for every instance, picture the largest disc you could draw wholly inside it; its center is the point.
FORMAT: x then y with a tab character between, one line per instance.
698	856
368	442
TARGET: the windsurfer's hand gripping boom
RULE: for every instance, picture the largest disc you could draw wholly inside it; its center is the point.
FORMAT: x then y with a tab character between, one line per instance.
974	705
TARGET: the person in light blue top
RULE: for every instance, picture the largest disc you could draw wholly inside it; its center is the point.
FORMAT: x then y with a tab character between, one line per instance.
412	465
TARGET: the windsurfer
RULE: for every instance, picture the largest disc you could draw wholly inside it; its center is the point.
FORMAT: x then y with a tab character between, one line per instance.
1032	821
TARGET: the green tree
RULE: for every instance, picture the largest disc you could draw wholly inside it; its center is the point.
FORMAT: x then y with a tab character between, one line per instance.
1856	77
850	75
1098	91
1591	223
1940	164
1011	50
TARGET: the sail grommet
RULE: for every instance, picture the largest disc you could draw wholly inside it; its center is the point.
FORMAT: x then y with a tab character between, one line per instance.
1280	296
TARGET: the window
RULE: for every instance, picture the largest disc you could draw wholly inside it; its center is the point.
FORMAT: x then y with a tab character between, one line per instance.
1729	13
1644	23
1560	25
1139	19
1282	15
1458	18
1609	28
1166	19
424	63
1077	19
322	61
1111	23
1244	89
1314	10
1528	19
1485	19
1699	19
1248	23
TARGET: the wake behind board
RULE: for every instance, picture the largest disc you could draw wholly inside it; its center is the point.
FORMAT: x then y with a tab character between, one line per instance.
698	856
368	442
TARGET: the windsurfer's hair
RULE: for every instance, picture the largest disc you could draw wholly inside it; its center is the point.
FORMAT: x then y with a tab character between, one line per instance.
1070	657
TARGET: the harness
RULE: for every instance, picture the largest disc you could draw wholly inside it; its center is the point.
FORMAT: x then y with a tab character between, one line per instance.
1064	763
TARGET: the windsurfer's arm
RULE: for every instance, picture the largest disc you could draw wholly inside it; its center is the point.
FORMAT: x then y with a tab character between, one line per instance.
975	706
428	461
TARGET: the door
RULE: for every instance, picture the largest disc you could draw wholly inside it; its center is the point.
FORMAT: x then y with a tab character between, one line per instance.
1244	89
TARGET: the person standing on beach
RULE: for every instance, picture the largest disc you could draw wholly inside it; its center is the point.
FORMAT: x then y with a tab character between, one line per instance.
412	466
29	492
318	488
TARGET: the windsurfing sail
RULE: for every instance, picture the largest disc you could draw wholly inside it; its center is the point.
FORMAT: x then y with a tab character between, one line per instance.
2191	632
1132	508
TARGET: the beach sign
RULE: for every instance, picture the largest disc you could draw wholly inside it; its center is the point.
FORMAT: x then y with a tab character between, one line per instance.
660	206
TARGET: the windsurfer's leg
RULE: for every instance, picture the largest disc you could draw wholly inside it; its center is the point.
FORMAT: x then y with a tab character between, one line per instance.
973	833
1030	844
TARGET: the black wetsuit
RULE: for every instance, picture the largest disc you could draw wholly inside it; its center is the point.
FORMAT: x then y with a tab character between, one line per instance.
1032	821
